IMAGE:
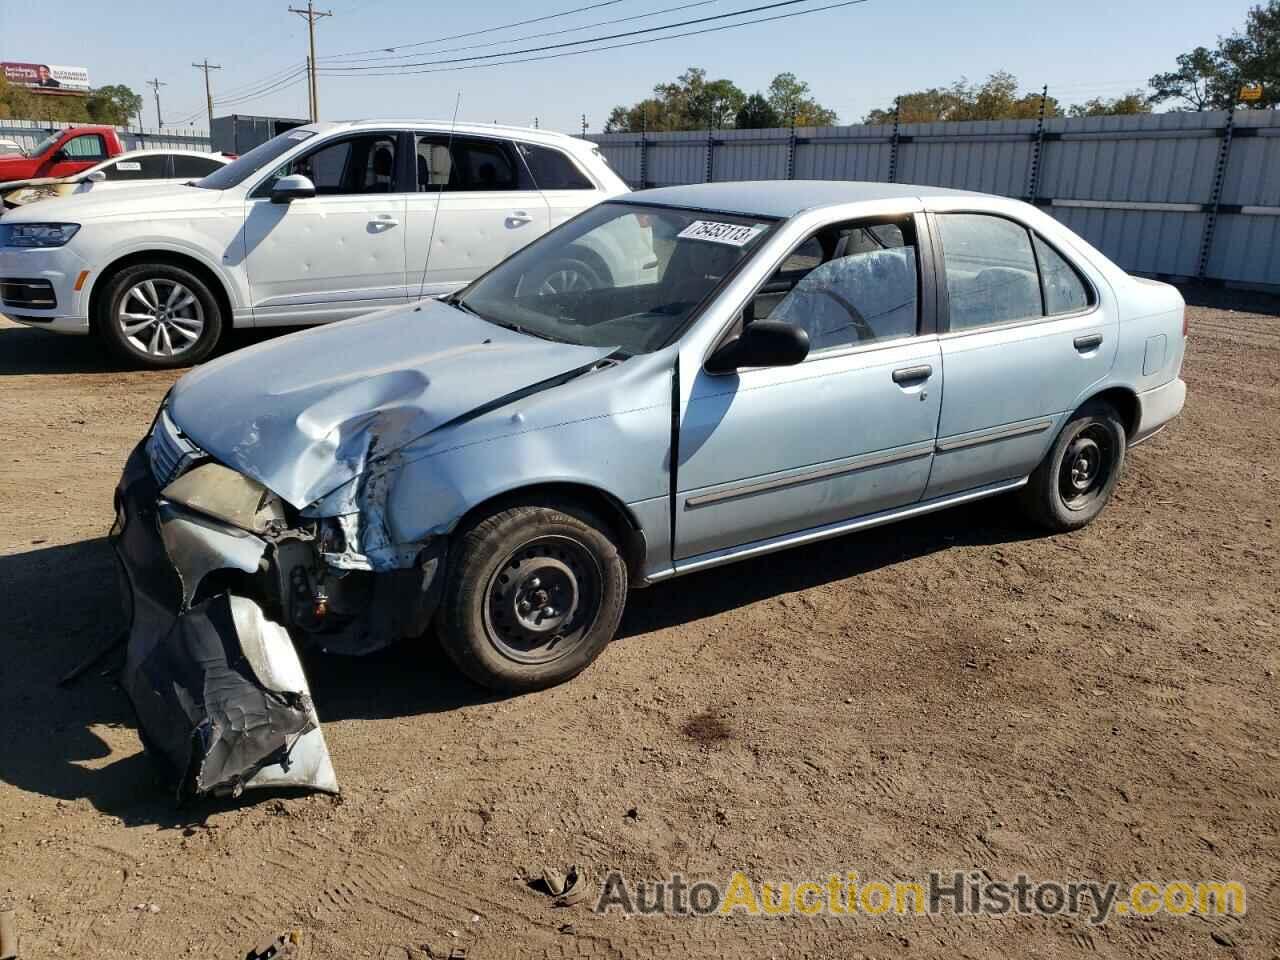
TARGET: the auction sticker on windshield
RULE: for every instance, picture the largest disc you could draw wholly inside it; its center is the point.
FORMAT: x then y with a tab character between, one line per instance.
734	234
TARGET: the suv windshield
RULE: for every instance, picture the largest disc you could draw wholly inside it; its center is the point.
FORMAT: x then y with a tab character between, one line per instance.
237	171
620	275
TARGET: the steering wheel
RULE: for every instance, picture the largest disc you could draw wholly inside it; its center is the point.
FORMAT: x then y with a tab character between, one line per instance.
856	319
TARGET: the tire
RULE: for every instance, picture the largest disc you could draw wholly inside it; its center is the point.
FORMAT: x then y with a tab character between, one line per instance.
159	316
1078	475
494	621
571	274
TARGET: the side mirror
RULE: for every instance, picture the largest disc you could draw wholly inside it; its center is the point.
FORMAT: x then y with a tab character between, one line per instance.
293	187
764	343
59	156
97	176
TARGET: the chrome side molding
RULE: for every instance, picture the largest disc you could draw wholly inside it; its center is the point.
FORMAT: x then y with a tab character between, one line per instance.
814	534
825	472
999	433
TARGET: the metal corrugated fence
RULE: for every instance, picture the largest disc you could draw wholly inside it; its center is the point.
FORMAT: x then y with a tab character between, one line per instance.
28	133
1168	194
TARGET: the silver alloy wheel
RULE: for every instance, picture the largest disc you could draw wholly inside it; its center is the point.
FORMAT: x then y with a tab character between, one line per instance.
161	317
566	279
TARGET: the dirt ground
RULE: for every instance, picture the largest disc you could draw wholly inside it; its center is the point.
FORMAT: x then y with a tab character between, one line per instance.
955	692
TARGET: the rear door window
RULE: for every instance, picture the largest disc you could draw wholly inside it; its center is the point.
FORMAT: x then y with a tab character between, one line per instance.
991	270
468	164
1064	290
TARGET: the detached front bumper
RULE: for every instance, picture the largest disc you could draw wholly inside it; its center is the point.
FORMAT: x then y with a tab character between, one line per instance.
220	694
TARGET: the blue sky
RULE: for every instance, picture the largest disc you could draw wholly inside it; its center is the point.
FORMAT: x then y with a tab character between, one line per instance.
854	58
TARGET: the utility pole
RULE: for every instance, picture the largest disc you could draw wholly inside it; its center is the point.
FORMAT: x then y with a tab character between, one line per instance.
311	104
155	85
311	15
208	94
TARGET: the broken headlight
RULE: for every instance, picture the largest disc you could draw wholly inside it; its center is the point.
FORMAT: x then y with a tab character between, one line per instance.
226	495
168	450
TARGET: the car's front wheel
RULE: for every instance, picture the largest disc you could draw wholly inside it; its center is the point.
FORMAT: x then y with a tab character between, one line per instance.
159	316
1078	475
534	594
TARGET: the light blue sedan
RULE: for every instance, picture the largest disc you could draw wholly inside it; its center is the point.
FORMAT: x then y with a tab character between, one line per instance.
673	380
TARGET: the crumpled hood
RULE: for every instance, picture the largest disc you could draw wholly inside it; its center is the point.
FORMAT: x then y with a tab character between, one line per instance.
305	413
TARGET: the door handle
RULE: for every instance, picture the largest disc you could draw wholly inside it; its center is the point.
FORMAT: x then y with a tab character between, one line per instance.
384	220
912	374
519	218
1090	341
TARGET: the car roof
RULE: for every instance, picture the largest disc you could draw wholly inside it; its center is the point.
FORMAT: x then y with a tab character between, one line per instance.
564	140
152	151
783	198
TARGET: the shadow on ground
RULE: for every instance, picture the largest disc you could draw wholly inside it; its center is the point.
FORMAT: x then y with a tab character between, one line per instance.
29	350
64	606
1223	298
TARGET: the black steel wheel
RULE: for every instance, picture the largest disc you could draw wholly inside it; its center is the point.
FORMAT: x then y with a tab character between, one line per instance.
1079	473
543	600
533	594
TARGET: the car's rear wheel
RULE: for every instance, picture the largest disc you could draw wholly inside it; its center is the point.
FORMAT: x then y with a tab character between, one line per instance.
1078	475
159	316
534	594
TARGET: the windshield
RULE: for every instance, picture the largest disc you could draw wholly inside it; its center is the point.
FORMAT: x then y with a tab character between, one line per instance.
620	275
43	145
237	171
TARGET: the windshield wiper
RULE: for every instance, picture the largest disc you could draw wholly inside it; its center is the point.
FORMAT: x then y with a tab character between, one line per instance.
455	301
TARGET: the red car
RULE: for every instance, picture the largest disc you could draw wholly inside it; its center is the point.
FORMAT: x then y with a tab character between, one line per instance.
63	153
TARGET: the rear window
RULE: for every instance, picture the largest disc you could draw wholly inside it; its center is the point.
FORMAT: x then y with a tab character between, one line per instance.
187	168
552	170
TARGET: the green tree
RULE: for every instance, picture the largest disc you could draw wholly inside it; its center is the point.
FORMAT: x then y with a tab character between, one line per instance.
1255	54
1135	101
1211	79
997	98
690	102
1204	80
789	97
757	114
114	104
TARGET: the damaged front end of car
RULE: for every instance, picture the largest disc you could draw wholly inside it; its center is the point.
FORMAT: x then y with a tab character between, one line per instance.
222	577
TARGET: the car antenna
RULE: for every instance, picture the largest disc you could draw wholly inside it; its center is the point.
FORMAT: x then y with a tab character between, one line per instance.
435	217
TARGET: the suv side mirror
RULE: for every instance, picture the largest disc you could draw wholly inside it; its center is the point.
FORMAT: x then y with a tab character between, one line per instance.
293	187
764	343
97	176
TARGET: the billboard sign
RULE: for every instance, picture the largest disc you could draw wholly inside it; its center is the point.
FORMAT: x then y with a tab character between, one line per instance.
46	76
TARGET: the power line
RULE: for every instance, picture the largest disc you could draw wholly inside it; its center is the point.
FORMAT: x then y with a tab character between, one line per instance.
532	36
262	88
232	91
476	33
287	82
574	43
617	46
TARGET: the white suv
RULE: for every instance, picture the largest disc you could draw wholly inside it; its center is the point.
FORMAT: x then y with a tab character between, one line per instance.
324	222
